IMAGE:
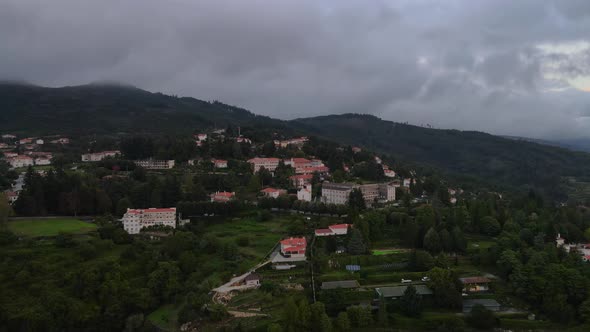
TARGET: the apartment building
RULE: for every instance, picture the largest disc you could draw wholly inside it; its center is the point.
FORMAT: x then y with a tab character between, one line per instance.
155	164
338	193
136	219
268	163
98	156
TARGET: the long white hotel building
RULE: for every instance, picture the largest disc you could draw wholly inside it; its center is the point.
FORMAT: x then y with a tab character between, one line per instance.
136	219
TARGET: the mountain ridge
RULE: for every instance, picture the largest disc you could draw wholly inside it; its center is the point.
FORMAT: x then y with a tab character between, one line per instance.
104	109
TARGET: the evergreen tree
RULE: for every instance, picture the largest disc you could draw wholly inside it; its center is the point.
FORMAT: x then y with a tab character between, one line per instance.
342	322
356	200
411	302
432	241
356	246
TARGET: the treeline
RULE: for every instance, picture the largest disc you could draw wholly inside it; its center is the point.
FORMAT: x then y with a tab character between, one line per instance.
287	202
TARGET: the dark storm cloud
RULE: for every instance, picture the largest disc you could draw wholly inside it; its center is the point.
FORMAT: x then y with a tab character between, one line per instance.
498	65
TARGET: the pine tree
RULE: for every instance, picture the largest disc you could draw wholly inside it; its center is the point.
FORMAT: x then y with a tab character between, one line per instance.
356	246
432	241
411	302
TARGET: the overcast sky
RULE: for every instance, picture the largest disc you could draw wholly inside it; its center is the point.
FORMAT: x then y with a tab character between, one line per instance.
501	66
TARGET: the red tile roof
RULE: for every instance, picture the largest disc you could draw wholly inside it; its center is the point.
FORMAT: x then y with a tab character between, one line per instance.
294	241
323	231
475	280
339	226
270	190
224	194
301	176
151	210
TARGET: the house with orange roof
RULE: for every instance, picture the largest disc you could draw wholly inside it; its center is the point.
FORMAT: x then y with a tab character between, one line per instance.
136	219
222	196
336	229
219	163
294	247
273	192
301	180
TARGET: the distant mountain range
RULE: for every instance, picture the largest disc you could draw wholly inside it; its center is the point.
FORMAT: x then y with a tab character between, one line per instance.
581	144
467	155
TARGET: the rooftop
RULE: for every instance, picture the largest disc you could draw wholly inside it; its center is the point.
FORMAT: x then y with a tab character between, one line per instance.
475	280
340	284
398	291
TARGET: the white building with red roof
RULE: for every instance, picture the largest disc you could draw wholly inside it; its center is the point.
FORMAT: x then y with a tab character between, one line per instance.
273	192
304	193
336	229
222	196
10	154
294	247
298	141
301	180
268	163
322	170
136	219
98	156
219	163
21	161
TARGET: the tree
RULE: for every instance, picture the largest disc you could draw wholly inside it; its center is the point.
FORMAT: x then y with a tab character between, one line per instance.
360	316
319	320
481	318
508	262
420	260
382	312
432	241
411	302
356	200
343	322
356	246
446	240
122	205
584	311
5	209
274	327
490	226
459	243
290	315
446	288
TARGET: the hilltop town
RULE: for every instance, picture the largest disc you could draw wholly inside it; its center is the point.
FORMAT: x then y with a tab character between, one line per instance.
251	221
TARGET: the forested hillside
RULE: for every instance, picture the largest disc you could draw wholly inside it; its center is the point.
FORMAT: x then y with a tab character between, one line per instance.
491	159
473	156
107	108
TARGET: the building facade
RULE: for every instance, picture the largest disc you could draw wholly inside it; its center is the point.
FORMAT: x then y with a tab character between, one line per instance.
98	156
268	163
136	219
338	193
222	196
294	247
304	193
155	164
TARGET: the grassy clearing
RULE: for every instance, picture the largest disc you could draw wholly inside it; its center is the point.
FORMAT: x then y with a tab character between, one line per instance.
381	252
49	227
165	317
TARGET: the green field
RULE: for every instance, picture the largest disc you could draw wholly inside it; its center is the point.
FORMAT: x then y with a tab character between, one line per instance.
49	227
165	317
379	252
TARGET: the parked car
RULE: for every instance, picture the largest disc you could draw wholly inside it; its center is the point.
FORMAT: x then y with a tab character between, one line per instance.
425	279
406	281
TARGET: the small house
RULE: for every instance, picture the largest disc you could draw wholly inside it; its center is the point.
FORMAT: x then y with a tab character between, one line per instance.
252	279
475	284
